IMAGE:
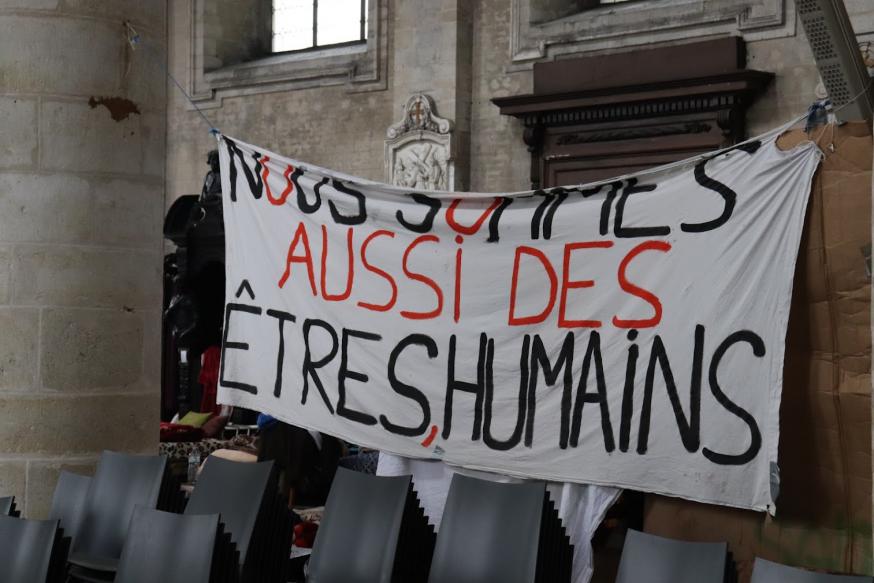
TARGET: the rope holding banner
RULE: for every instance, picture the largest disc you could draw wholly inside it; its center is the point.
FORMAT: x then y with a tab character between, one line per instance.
134	39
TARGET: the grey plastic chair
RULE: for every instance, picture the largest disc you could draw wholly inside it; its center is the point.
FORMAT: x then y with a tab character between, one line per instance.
26	548
121	483
68	501
654	559
358	537
769	572
236	491
489	532
167	547
7	506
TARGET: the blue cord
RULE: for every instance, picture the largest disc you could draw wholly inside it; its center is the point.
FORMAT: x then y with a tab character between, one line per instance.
134	40
817	114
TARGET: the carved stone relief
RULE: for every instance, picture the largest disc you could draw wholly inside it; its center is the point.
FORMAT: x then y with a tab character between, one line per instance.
418	149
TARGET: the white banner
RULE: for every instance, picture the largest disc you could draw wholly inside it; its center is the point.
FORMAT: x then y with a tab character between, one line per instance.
629	333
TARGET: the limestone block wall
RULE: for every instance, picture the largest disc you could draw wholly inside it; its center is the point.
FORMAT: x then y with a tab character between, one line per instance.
499	161
81	204
331	126
459	53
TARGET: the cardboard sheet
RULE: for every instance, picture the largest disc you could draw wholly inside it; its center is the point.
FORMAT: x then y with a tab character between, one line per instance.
823	516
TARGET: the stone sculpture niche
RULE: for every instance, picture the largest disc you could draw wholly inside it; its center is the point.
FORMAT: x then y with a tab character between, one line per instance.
418	149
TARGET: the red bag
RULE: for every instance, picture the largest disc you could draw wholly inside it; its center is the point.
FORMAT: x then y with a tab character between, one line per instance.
173	432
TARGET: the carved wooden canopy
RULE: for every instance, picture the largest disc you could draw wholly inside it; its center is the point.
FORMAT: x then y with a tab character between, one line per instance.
595	117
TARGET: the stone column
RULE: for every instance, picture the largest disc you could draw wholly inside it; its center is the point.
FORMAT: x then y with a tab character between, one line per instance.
432	51
81	203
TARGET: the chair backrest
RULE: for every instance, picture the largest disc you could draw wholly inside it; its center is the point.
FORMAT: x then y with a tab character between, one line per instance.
489	532
770	572
358	535
7	503
121	483
167	547
68	502
26	548
235	490
654	559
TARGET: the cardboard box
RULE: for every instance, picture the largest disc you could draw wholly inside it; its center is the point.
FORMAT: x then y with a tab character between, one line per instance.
823	519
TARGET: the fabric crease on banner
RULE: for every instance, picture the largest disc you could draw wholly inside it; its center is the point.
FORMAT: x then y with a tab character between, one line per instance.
581	508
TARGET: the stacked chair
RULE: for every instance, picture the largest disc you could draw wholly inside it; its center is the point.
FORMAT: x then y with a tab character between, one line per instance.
173	548
555	555
373	531
768	572
654	559
236	528
32	551
495	532
68	502
647	558
7	507
252	513
121	483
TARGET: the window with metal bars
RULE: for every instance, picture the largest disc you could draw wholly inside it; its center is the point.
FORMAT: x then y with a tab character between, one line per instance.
307	24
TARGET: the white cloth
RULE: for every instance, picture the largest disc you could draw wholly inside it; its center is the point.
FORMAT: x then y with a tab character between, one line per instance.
581	507
628	334
317	437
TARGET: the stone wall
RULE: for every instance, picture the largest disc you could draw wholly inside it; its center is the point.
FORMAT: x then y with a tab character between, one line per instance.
791	60
458	52
327	126
81	201
454	50
499	162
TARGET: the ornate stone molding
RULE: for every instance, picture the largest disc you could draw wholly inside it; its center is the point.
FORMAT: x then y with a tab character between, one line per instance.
418	148
638	23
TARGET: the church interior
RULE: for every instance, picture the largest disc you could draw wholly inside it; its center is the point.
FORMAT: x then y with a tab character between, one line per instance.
118	446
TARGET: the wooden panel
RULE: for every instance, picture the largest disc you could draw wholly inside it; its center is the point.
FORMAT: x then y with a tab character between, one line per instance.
596	117
689	61
585	170
584	153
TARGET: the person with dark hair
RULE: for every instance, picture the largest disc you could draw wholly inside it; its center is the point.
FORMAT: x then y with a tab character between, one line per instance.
307	460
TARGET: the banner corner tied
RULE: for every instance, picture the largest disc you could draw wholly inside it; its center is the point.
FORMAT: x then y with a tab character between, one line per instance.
626	333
